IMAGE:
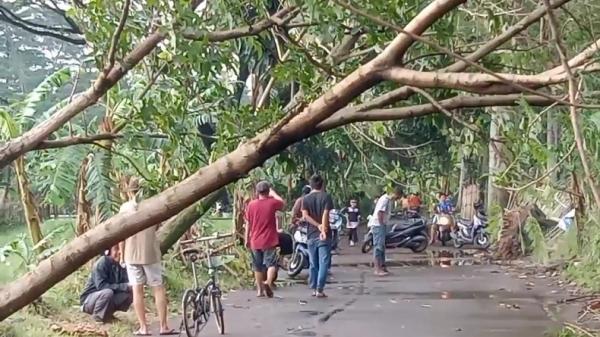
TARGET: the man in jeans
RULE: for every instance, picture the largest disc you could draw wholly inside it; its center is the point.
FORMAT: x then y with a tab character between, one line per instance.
315	210
262	236
107	290
378	223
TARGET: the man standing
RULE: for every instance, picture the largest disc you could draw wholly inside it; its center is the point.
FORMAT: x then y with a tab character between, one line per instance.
297	209
315	210
143	259
379	222
107	290
353	213
262	236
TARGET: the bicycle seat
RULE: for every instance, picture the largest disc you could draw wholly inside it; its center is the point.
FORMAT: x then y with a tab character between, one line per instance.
191	253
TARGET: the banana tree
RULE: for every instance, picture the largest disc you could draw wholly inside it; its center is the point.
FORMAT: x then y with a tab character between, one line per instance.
13	120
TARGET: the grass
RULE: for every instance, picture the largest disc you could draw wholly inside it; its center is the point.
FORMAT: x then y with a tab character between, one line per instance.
58	309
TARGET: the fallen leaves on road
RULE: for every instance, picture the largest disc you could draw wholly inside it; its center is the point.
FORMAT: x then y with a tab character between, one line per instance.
79	330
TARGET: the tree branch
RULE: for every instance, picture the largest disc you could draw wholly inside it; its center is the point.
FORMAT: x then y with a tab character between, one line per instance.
116	36
473	82
219	36
12	149
443	110
575	120
7	16
76	140
394	54
404	92
388	148
7	12
459	102
543	176
388	71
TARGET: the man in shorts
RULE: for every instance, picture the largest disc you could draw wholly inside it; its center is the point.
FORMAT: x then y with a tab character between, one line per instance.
142	257
262	236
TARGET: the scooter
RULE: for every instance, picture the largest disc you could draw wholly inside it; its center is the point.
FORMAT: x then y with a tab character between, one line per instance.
443	222
405	233
299	259
473	232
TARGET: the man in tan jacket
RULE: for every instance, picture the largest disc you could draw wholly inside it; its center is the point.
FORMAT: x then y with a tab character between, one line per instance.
143	259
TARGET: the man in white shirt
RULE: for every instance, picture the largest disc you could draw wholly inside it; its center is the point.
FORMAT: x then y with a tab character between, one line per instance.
379	222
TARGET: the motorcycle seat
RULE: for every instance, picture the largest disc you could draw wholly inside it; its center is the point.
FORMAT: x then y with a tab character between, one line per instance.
464	221
402	225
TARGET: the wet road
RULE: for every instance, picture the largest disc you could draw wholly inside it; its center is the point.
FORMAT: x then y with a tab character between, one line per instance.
426	295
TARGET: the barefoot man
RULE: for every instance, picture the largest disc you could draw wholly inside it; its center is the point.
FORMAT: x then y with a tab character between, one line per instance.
262	236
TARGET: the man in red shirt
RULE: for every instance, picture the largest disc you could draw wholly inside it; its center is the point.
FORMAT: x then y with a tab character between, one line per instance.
262	236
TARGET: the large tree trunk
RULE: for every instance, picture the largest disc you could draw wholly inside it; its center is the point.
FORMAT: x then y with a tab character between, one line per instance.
175	228
497	162
32	215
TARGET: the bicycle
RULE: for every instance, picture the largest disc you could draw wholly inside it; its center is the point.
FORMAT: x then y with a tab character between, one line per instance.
198	303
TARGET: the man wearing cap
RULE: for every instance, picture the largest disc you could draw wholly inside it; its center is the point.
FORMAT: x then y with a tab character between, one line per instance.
262	236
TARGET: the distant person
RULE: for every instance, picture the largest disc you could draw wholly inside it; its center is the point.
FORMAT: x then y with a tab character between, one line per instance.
443	208
107	290
379	222
315	210
414	202
297	209
353	214
143	259
262	236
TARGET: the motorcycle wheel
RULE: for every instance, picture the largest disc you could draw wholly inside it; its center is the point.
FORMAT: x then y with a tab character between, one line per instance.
483	240
367	246
419	244
457	243
296	264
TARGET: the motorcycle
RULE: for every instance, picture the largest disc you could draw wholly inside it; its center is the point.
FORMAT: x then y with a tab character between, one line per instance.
299	259
443	222
405	233
473	232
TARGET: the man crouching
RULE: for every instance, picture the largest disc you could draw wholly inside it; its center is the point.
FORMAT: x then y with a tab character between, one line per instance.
108	290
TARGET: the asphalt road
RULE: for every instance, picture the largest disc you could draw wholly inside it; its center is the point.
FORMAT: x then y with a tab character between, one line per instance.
437	294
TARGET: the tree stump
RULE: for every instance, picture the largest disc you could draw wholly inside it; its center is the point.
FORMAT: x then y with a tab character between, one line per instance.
509	244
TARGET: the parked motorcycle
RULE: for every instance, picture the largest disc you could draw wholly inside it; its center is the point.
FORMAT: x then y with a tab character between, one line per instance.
299	259
472	232
444	223
405	233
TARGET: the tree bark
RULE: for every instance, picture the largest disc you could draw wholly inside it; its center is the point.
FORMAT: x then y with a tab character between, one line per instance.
176	227
83	207
32	215
497	162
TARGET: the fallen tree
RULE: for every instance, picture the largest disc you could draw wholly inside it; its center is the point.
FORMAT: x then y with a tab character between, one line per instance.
252	154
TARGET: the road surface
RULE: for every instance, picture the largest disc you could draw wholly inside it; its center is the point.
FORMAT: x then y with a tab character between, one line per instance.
436	294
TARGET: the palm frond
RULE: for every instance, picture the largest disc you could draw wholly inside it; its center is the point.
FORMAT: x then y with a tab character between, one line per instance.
9	128
29	106
100	185
58	170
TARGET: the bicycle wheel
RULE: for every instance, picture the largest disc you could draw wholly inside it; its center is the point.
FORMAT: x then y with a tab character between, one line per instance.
218	310
191	317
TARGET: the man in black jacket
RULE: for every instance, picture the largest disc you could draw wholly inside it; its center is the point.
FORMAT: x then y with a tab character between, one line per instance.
108	289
